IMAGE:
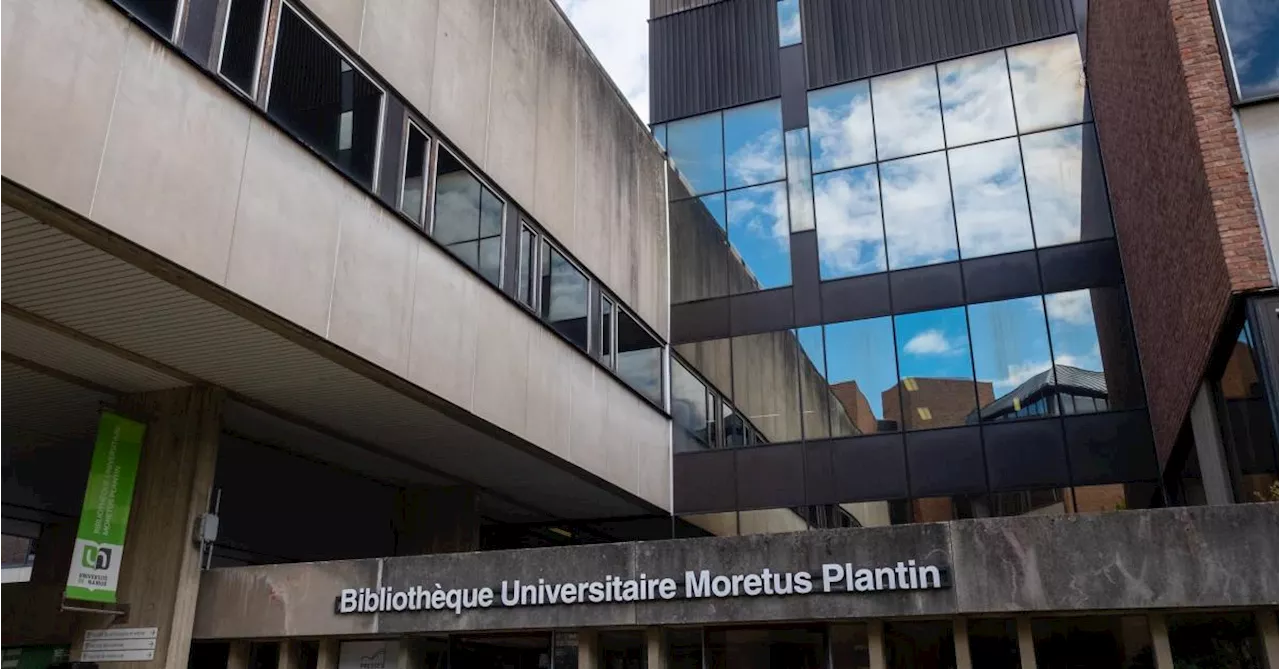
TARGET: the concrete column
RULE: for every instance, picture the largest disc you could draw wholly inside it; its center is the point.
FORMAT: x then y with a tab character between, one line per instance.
588	649
287	655
655	648
1160	642
328	658
960	631
1026	643
1214	473
437	520
1267	629
160	572
875	644
238	657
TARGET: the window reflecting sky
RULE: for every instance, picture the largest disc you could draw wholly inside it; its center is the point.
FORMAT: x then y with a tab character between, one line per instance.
991	199
639	358
977	104
688	403
1048	83
907	118
1010	343
840	128
933	344
457	204
850	235
753	144
860	354
695	146
1073	331
799	180
916	196
1254	39
758	231
714	204
1054	164
789	31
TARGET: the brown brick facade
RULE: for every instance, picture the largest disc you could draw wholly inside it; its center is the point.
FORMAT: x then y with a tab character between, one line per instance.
1180	194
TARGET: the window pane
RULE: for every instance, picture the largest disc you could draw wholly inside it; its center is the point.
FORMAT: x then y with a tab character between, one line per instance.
1048	83
700	264
240	43
850	235
977	104
660	134
993	643
491	259
840	128
916	197
1064	181
606	331
713	361
697	150
799	180
639	358
689	409
490	213
936	387
159	14
991	199
415	170
1093	350
907	118
815	391
789	31
564	296
919	645
760	236
863	371
1010	357
849	647
319	97
753	144
1216	640
1252	34
525	289
1104	642
765	384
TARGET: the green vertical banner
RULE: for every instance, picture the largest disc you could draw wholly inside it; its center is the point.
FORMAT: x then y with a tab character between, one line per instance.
95	564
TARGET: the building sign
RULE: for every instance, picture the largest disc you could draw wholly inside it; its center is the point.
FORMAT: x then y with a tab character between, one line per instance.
120	644
95	563
703	584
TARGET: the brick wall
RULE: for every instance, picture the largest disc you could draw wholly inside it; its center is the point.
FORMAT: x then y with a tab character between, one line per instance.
1184	212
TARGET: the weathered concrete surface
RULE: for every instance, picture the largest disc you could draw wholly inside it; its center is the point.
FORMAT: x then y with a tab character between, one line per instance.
1168	558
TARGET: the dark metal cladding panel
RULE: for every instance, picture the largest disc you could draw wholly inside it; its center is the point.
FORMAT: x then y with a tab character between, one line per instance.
852	39
660	8
720	55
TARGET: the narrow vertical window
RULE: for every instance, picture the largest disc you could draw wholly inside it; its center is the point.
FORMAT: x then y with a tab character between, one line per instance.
526	272
242	43
789	31
415	173
606	331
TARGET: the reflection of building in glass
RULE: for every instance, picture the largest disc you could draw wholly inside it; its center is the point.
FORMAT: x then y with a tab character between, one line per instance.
1077	390
930	403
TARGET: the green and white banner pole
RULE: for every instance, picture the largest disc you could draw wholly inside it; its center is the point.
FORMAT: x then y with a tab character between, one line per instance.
95	564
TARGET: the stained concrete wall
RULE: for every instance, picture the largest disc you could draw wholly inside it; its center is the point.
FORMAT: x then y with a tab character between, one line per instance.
1162	559
109	123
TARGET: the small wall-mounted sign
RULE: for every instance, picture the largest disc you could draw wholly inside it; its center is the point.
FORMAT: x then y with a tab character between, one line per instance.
121	644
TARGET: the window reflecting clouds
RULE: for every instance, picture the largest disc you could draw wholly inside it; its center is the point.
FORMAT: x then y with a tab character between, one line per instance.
918	222
789	31
696	147
1065	184
564	296
1253	39
689	409
1048	83
936	387
977	103
907	117
990	199
850	234
862	369
639	357
753	144
759	234
799	180
468	218
840	127
1093	350
1011	357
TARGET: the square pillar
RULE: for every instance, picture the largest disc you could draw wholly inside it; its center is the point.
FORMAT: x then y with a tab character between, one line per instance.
588	649
1215	475
238	656
1160	641
328	658
875	644
1026	643
1267	629
960	632
655	641
160	571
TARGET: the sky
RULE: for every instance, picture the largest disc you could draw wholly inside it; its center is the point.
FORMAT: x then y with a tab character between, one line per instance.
618	33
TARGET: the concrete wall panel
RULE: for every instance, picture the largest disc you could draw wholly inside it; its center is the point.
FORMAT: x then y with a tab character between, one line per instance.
372	310
247	603
171	172
622	422
442	351
595	216
460	81
590	403
556	135
343	17
652	443
61	64
548	413
520	34
399	41
502	364
289	208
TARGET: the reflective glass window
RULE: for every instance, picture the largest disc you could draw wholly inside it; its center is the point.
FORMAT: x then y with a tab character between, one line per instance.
907	117
1104	642
789	30
606	331
159	14
1253	40
991	199
918	223
841	132
564	296
977	103
799	180
850	648
850	233
413	185
468	217
689	409
919	645
526	271
1093	350
765	384
639	357
713	361
790	647
701	266
1064	181
936	376
993	643
1048	83
696	148
1010	356
1219	639
241	43
753	152
862	369
660	134
760	236
815	391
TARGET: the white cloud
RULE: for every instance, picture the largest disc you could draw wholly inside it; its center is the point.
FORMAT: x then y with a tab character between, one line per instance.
1048	83
930	342
1073	308
850	239
908	119
618	33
